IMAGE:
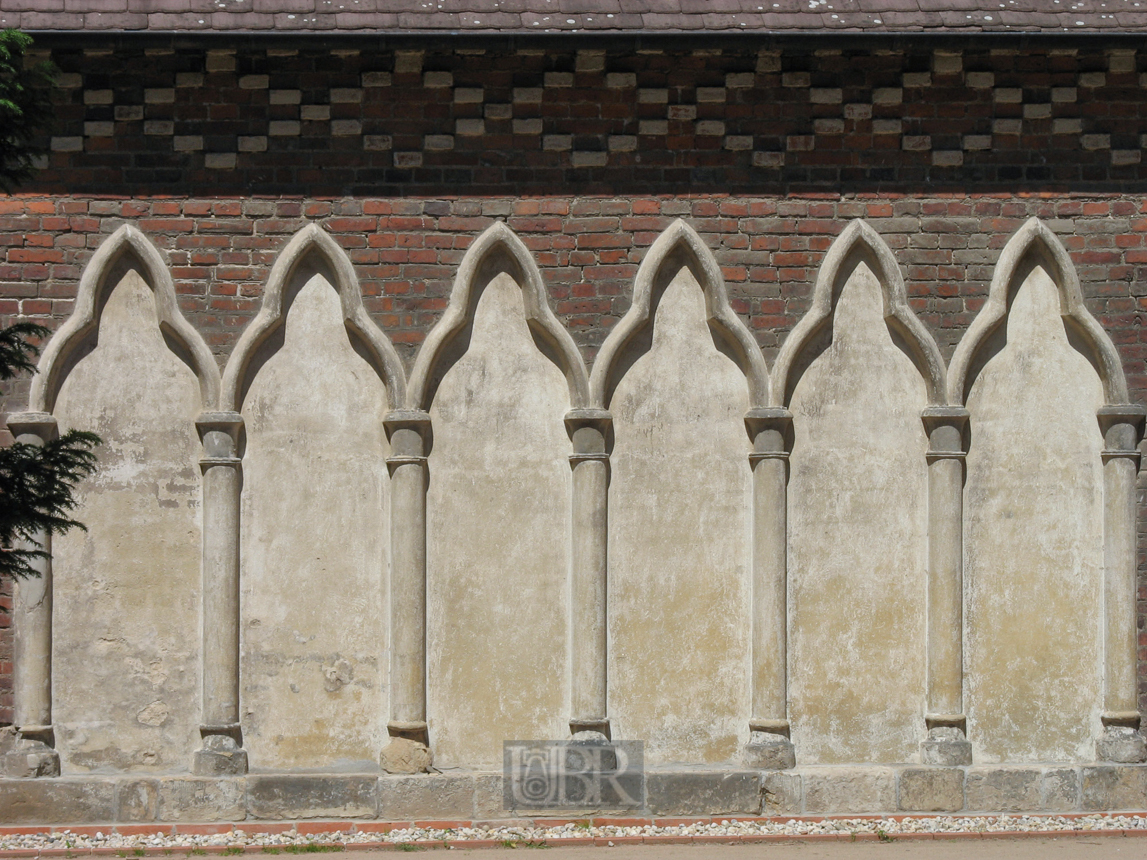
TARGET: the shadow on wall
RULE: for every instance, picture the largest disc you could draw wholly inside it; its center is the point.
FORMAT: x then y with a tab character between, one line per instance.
897	562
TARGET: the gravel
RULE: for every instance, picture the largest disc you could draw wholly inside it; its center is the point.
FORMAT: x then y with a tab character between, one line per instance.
730	827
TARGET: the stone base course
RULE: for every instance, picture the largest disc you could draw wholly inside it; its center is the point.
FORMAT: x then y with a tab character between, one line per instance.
477	797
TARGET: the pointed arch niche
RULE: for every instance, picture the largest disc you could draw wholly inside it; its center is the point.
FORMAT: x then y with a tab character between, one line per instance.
497	375
679	373
313	378
129	367
1034	369
856	374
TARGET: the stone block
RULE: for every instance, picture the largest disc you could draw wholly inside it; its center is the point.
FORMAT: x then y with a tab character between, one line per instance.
281	796
137	800
1121	744
191	799
56	801
781	793
489	802
1110	788
1003	789
703	793
431	795
1059	789
838	790
931	789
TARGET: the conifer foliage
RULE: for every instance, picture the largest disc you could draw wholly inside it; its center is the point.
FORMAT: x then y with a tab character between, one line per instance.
24	107
37	484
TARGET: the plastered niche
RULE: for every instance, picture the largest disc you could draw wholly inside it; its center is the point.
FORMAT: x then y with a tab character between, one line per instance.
498	514
127	590
858	523
679	517
1033	532
314	521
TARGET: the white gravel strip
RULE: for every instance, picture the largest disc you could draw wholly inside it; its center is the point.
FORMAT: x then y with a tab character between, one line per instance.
554	835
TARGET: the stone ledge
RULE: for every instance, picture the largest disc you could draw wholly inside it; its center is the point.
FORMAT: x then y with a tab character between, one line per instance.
477	796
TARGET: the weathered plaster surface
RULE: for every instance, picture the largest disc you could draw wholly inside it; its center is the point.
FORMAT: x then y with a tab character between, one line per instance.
679	541
1034	539
498	516
314	540
858	542
127	590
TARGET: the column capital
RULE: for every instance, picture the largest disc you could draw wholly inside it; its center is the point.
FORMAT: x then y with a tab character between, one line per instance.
1122	427
945	428
770	428
591	432
40	424
598	419
935	417
410	434
219	422
219	432
407	419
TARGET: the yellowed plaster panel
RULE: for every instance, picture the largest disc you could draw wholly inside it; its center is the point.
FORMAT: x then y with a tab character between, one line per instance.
314	546
680	542
126	633
498	521
858	524
1034	542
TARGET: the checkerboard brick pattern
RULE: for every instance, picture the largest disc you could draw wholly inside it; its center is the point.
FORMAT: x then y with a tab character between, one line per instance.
651	119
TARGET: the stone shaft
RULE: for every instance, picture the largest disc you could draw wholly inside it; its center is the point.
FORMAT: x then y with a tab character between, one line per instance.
222	483
33	606
588	430
945	561
409	435
1123	429
770	430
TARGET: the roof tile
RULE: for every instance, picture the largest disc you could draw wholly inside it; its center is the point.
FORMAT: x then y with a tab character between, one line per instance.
366	21
114	21
490	20
33	6
178	21
242	21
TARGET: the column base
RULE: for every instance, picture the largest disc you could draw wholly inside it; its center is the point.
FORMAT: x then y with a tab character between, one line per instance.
1121	744
946	746
769	747
409	748
590	751
222	753
25	756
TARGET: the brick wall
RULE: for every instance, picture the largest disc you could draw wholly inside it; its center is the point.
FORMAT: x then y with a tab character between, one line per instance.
633	118
405	154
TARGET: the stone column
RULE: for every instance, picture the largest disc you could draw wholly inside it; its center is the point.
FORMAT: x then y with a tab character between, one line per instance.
589	429
947	742
1122	428
32	752
769	745
222	751
410	437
